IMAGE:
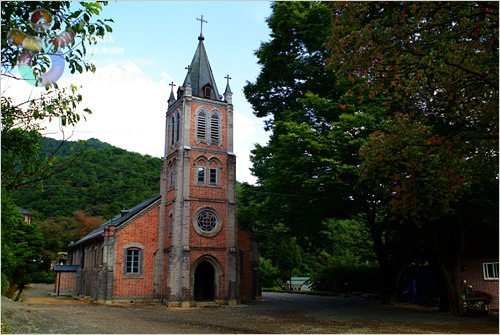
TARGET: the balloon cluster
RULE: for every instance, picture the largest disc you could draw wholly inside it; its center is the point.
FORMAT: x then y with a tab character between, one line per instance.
41	21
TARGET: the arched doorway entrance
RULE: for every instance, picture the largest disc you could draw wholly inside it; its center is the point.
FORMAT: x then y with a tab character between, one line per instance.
204	282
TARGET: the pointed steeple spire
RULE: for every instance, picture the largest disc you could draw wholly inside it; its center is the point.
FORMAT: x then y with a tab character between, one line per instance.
200	74
171	98
228	95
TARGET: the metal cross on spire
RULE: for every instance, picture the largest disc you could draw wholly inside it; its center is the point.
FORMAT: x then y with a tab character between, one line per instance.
172	84
201	23
228	78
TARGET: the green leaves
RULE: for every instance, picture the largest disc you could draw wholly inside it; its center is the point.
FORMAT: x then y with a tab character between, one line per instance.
82	21
21	164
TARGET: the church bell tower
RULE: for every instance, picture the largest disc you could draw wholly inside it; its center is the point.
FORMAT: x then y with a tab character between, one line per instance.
198	255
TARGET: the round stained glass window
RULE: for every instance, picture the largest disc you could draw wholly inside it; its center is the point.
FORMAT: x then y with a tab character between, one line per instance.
207	221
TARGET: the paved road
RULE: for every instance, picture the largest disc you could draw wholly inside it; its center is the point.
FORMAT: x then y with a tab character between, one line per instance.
275	313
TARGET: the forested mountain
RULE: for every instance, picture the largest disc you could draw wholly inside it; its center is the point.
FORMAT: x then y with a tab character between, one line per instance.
101	181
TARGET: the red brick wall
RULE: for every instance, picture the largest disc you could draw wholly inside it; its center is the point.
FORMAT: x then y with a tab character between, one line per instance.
143	231
68	282
472	272
246	279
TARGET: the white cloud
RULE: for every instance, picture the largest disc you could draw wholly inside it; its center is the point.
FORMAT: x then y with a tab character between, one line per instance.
247	132
128	111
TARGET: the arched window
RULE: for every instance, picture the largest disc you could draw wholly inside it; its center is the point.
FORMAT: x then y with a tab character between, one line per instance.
178	127
213	172
172	130
171	224
171	176
201	125
215	127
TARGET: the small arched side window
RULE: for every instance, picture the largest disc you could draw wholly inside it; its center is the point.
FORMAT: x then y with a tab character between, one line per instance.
178	127
171	176
172	130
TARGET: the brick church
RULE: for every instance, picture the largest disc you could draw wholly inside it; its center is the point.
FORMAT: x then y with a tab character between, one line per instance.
182	246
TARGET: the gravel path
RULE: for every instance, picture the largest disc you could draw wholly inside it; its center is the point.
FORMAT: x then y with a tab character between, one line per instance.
275	313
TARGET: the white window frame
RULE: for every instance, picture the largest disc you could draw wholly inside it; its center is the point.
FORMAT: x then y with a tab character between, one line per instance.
490	270
133	263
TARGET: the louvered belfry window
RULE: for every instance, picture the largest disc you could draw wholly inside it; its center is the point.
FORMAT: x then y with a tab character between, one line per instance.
201	130
214	128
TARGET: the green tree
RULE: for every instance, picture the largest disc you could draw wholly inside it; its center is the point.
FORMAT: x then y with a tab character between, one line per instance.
347	257
103	181
308	173
298	171
21	121
281	256
437	65
22	163
22	246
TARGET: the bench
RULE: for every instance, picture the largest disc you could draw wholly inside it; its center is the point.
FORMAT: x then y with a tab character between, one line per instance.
476	302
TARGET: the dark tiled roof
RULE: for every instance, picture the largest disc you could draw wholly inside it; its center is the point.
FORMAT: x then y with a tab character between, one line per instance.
119	220
24	212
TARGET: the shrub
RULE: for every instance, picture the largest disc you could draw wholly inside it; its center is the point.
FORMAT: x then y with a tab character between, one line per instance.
5	283
345	274
43	277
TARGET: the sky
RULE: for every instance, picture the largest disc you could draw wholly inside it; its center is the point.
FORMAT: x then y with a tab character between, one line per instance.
151	45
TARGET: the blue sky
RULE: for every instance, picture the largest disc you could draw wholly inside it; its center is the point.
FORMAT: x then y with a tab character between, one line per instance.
151	44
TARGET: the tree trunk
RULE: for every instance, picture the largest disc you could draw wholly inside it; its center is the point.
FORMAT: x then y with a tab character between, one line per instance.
391	267
451	291
448	244
391	278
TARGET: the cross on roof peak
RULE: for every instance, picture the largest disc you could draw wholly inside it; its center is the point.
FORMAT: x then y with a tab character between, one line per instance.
201	24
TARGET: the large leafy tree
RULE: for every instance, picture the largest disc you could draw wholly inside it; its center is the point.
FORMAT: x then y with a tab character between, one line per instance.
21	120
309	169
437	64
308	172
22	163
299	170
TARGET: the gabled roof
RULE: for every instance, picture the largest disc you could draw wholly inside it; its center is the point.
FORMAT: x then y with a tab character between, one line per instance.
24	211
200	73
120	219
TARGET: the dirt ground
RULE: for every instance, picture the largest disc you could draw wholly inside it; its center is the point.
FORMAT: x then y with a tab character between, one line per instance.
275	313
